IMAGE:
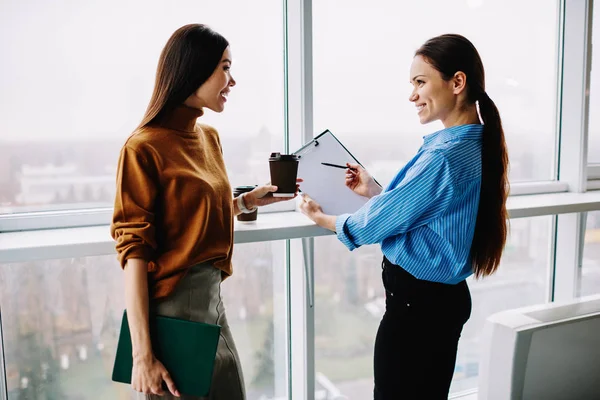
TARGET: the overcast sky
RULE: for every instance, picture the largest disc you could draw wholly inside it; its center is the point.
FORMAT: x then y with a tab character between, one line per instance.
85	69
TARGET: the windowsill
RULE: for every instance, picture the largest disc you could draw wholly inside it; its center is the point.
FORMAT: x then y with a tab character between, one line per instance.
552	204
96	240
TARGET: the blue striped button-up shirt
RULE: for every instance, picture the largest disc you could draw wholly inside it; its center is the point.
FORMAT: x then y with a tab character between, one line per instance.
425	219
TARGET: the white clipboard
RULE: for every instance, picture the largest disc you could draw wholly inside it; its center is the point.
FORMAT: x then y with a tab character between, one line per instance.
326	185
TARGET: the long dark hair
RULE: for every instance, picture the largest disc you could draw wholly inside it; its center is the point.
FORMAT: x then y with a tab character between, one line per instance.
188	59
449	54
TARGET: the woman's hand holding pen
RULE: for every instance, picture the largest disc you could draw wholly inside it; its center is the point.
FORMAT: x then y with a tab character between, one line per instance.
361	182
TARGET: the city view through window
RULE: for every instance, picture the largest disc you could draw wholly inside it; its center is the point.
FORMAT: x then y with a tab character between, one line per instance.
76	80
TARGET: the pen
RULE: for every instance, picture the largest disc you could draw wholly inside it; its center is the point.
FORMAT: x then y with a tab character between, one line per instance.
337	166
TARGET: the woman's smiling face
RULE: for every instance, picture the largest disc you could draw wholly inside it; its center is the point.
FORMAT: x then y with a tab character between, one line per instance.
213	93
433	96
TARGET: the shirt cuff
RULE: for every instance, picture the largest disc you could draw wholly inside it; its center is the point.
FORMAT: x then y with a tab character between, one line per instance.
342	234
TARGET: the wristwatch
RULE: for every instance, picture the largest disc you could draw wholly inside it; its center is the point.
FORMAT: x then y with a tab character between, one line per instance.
242	206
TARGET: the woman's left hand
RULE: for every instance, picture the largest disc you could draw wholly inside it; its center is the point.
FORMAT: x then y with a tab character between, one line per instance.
313	210
309	207
262	195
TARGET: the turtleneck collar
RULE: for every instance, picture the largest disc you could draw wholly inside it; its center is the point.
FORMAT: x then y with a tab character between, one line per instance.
182	118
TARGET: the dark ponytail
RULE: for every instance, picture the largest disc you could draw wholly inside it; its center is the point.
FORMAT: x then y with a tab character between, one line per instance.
450	54
491	229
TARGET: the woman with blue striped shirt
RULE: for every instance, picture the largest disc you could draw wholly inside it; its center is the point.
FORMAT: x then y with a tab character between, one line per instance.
441	219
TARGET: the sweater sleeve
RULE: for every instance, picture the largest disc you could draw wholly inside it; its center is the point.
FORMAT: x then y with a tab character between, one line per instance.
133	219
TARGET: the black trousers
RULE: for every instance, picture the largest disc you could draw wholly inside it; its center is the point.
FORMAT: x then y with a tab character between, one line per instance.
417	340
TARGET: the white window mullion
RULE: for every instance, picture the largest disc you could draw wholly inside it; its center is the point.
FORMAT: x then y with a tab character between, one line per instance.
568	256
281	281
299	130
573	117
574	93
303	319
298	75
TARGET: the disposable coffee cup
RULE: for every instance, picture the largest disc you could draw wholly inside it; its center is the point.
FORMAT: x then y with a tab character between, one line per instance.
284	170
238	191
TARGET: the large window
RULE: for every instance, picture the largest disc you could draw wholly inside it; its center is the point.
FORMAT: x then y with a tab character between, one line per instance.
61	319
350	302
77	77
362	57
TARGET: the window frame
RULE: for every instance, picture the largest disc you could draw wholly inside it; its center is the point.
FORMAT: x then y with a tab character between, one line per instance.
573	177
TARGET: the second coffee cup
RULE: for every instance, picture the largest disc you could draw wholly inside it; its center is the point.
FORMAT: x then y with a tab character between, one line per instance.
238	191
284	171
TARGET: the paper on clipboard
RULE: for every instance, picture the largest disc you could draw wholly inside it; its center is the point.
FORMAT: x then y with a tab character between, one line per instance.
326	185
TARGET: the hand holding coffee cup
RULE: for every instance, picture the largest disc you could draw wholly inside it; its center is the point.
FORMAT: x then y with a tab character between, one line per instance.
263	195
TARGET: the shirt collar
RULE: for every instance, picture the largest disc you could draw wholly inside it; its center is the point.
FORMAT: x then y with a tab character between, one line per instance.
461	132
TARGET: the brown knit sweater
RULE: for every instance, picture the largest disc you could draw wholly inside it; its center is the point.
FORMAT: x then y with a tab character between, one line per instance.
174	205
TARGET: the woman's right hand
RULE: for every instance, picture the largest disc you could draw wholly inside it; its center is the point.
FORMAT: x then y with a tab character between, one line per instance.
148	375
360	181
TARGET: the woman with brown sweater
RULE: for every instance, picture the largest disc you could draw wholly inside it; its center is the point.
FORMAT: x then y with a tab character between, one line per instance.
173	215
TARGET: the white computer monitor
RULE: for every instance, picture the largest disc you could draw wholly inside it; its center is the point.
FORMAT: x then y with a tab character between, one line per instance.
549	351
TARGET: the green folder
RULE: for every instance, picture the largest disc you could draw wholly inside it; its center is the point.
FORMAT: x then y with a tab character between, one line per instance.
187	349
